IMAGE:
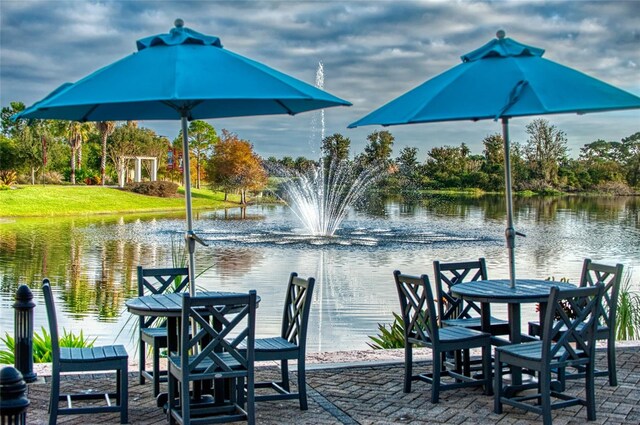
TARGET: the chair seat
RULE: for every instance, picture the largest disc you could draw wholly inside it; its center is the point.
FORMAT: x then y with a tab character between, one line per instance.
155	333
456	334
474	322
95	354
530	350
227	358
602	331
274	344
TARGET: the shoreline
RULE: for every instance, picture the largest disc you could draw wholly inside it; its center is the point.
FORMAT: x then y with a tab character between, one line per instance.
335	359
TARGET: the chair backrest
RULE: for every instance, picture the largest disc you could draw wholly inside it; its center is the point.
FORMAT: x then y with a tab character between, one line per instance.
222	323
449	274
53	322
611	278
297	304
159	281
570	324
417	308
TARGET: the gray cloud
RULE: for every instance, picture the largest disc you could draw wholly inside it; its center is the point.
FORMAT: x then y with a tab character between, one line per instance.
372	51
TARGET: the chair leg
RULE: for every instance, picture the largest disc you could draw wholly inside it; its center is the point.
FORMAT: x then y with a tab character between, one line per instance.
302	384
466	363
611	362
55	396
408	367
124	392
435	384
590	391
185	402
141	360
486	369
458	360
172	398
156	370
545	396
284	374
497	384
251	402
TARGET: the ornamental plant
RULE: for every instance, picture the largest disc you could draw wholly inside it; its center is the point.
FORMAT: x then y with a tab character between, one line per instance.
42	345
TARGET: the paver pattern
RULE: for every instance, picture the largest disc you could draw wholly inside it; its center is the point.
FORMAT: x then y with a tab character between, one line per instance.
372	394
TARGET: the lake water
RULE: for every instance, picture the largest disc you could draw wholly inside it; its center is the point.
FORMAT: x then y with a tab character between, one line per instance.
92	262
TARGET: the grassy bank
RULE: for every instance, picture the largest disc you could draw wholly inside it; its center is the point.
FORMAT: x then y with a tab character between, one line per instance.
31	201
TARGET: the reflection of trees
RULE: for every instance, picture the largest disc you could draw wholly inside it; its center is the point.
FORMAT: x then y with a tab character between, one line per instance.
94	276
235	261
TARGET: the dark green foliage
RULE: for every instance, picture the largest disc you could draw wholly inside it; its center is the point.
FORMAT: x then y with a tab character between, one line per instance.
390	336
628	313
42	345
162	189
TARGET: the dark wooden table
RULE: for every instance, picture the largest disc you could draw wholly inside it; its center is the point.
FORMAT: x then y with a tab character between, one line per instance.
170	306
499	291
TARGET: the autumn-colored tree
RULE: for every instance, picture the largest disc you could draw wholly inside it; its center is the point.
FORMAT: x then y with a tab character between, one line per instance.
234	166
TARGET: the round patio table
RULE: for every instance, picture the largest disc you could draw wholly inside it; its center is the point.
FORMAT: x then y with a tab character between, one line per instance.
499	291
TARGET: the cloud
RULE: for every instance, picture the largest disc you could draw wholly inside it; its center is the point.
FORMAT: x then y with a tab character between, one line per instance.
372	52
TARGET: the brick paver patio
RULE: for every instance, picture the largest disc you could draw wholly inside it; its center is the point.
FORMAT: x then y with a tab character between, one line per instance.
371	393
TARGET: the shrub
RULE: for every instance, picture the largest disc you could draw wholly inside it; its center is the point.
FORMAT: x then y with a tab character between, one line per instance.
628	314
8	177
42	345
53	177
614	188
391	337
162	189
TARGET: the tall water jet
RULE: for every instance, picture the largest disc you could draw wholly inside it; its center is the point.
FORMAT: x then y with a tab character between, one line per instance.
321	196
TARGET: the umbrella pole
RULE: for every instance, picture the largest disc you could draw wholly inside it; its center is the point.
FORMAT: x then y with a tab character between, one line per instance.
189	236
510	233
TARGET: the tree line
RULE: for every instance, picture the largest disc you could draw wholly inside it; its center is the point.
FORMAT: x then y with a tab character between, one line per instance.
53	152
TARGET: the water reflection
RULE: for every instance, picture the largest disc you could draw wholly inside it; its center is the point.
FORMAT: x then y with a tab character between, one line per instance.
92	262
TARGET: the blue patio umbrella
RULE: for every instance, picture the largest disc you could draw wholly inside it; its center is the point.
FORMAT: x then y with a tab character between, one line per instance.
501	80
182	75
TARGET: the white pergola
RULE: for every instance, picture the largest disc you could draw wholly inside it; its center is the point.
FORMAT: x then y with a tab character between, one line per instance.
137	177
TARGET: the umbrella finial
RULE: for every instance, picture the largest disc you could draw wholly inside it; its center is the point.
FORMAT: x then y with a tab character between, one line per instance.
179	23
500	34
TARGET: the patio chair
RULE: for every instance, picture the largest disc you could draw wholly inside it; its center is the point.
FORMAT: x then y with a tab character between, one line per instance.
213	352
291	344
153	331
453	311
566	342
611	277
95	359
421	328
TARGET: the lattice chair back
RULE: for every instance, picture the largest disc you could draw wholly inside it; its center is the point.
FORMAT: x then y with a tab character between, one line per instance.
417	309
449	274
568	335
611	278
215	351
160	281
297	305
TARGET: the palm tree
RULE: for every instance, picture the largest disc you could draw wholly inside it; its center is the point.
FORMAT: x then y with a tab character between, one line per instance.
77	133
105	128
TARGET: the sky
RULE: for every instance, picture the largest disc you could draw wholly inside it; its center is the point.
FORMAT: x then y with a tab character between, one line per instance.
371	51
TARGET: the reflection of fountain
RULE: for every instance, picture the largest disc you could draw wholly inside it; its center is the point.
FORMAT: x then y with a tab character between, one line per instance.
321	197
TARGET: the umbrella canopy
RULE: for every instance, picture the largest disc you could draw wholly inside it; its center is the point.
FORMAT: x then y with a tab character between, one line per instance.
181	75
501	80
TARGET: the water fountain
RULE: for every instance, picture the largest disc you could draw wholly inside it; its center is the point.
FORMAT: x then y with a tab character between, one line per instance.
322	196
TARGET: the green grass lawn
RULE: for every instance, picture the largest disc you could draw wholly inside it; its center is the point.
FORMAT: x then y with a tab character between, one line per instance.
32	201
